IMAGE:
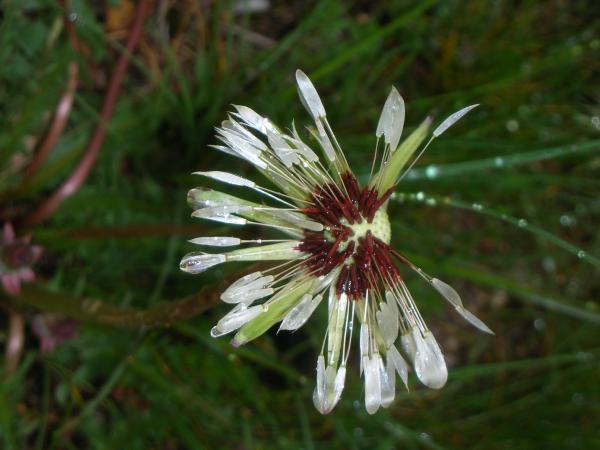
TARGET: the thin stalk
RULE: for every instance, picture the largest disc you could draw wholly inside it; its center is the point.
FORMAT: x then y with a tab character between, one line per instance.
80	173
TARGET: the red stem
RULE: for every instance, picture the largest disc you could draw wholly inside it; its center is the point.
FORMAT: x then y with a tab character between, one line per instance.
58	123
80	173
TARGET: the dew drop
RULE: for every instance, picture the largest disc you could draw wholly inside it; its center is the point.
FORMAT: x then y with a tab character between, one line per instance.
581	254
420	196
432	171
430	202
539	324
522	223
512	126
567	221
73	16
477	206
424	436
595	122
498	162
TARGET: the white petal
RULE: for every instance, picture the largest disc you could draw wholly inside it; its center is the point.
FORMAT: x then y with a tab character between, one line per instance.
319	392
296	219
391	120
395	360
216	241
223	213
325	280
388	383
245	291
474	320
452	296
452	119
235	320
408	344
309	96
199	262
253	119
337	321
338	385
249	297
363	343
304	149
429	363
281	251
372	385
324	140
227	177
388	320
245	280
447	291
300	313
284	152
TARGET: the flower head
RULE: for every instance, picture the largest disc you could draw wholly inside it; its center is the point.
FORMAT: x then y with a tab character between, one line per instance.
17	255
336	246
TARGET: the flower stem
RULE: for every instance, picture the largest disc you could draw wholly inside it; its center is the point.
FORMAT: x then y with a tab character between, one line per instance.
80	173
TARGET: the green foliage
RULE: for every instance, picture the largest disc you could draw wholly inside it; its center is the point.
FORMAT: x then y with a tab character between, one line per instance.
511	221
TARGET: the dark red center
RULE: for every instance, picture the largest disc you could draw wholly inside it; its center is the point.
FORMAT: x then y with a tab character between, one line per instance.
366	261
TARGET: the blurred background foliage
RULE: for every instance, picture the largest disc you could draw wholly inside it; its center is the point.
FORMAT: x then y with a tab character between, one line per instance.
505	207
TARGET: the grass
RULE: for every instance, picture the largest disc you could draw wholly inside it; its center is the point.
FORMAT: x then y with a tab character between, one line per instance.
504	206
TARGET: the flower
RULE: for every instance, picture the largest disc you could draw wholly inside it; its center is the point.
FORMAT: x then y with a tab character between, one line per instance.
17	255
336	246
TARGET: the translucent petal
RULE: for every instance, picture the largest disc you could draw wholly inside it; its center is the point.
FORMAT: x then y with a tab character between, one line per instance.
336	327
452	296
300	313
253	119
372	384
429	363
295	219
452	119
284	152
319	392
391	121
245	280
249	297
396	361
275	310
216	241
447	292
235	320
338	385
388	384
309	96
408	344
280	251
236	294
388	319
390	172
474	320
324	140
218	214
227	177
198	262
